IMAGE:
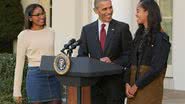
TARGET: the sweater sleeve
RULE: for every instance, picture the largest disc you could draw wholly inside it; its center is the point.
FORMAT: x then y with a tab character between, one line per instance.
20	60
54	42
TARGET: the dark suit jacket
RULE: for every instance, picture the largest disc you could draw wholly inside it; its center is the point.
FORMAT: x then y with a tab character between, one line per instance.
117	43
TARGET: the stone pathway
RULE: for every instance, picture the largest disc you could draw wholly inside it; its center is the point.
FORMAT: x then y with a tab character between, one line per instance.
174	97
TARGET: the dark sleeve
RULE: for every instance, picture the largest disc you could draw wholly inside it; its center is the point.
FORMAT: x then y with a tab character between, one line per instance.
83	49
125	45
127	74
127	69
159	61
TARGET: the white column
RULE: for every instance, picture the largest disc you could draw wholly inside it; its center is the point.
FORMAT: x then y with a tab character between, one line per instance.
124	10
63	22
25	3
67	19
178	47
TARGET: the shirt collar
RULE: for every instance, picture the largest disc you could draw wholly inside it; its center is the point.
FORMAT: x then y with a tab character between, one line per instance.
100	23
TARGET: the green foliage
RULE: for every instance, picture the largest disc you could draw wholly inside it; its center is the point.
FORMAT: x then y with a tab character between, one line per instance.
11	22
7	67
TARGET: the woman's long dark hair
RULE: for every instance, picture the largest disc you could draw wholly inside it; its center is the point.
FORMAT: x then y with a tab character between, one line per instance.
28	13
154	19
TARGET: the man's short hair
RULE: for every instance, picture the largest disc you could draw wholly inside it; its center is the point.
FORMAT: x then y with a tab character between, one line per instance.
97	1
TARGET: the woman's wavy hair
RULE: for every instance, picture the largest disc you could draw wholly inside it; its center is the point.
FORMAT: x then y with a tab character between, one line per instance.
28	13
154	18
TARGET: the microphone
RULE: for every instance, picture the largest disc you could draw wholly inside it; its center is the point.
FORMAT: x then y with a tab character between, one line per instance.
75	44
66	46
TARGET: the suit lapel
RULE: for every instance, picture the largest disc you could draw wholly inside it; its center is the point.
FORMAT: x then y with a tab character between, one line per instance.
95	33
110	33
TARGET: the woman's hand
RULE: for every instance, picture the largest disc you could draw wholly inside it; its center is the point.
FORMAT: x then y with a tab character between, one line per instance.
128	88
18	99
133	89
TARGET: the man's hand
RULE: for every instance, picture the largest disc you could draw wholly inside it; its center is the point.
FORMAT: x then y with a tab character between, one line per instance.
105	59
18	99
128	87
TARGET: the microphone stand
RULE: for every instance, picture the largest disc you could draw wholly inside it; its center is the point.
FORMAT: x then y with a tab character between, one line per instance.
69	52
63	52
71	47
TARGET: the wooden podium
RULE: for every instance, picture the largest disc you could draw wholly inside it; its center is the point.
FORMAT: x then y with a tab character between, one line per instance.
84	72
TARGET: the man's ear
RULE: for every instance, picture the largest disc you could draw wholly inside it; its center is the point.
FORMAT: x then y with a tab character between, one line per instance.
147	13
95	10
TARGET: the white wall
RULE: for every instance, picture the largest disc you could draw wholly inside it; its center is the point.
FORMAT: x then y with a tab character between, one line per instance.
122	10
25	3
178	47
68	18
63	22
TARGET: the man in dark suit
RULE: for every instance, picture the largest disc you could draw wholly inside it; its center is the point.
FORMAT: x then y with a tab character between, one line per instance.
109	41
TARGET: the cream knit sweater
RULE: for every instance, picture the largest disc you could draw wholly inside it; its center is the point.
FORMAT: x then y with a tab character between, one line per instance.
31	44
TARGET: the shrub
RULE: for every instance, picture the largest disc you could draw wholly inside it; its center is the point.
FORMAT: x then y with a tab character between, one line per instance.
7	67
11	23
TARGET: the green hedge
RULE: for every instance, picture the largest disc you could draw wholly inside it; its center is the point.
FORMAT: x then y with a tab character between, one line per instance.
11	19
11	23
7	67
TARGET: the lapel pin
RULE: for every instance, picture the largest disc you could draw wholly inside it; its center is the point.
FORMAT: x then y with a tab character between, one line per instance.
113	29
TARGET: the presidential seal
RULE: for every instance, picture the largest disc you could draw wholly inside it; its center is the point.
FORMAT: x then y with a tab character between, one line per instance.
61	64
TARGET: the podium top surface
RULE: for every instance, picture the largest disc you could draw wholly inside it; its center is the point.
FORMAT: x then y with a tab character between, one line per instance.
83	67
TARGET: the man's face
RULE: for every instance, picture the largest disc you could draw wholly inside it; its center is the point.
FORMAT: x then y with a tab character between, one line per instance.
104	11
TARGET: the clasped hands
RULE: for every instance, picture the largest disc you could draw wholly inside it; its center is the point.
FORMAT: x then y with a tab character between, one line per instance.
131	90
